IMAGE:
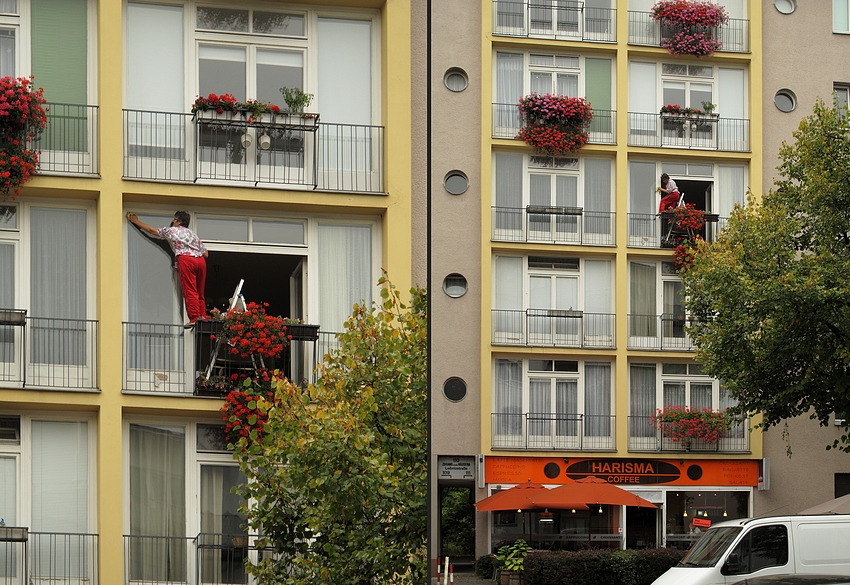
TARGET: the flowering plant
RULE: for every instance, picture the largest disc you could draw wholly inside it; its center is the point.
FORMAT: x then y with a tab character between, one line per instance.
253	331
689	13
554	124
21	107
684	253
682	424
678	110
688	42
219	103
18	164
246	409
688	218
252	109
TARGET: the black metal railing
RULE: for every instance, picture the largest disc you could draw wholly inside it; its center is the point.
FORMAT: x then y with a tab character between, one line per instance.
648	230
552	431
220	558
507	122
554	225
62	558
13	555
69	142
645	436
660	332
162	146
154	358
163	560
553	328
562	19
734	36
48	352
705	132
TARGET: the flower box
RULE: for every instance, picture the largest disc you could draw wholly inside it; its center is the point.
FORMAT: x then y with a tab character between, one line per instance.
303	332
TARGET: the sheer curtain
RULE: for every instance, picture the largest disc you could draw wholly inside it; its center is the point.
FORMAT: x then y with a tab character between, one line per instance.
58	274
673	394
597	196
539	406
731	189
598	299
508	398
157	503
345	272
642	300
597	400
221	520
509	72
9	513
566	407
641	399
508	295
508	192
7	301
7	51
60	470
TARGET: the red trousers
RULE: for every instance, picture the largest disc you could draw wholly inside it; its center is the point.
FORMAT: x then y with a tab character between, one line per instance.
671	200
193	277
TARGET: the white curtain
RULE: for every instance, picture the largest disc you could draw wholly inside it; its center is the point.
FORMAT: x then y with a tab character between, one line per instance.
597	400
7	52
597	196
60	471
731	91
9	513
642	300
155	51
345	272
7	301
221	524
641	399
731	189
344	61
673	309
840	16
509	74
508	191
642	88
642	183
507	294
153	287
566	407
157	503
598	292
673	394
701	395
508	398
539	406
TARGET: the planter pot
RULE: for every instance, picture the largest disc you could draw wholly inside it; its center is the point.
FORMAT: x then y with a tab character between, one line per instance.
511	578
303	332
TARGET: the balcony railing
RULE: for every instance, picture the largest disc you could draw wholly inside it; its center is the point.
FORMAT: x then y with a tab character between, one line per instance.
554	19
647	230
643	30
47	557
643	436
69	143
47	352
507	122
548	431
659	332
553	225
168	359
553	328
703	133
161	146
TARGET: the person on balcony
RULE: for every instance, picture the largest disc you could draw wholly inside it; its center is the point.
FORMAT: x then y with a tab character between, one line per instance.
669	193
190	260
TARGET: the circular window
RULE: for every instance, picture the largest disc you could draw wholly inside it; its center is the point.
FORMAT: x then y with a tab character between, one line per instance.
456	182
785	100
456	79
454	389
455	285
785	6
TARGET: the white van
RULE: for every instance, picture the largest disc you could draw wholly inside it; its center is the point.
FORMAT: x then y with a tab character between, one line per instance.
732	551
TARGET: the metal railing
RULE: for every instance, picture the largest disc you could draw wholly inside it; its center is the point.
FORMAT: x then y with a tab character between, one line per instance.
549	431
48	352
703	133
734	36
507	122
153	358
69	142
554	19
162	146
220	558
648	230
13	555
62	558
660	332
158	560
644	436
554	225
553	328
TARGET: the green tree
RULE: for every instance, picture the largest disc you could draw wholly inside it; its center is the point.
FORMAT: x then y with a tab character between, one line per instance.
771	297
337	475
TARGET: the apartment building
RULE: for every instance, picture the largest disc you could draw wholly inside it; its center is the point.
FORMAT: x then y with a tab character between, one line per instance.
559	330
113	467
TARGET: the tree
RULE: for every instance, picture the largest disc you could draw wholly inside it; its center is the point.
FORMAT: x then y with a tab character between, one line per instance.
337	475
771	297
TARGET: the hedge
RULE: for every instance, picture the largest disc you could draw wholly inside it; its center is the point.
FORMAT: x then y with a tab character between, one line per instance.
599	567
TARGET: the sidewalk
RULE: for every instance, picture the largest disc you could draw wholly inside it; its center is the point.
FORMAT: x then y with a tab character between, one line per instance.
465	579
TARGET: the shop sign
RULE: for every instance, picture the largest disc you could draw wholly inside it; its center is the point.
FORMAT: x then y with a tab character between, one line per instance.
456	467
701	522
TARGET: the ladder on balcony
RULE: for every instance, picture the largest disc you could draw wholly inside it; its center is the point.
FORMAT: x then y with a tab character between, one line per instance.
237	301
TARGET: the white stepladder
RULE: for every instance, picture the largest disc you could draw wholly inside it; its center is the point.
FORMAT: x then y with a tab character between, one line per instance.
670	222
237	301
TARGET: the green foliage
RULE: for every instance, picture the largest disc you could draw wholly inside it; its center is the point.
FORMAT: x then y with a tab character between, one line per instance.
485	565
458	521
599	567
771	297
296	100
511	557
339	474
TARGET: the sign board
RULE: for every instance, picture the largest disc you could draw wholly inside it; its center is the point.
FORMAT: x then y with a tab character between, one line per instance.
456	467
702	522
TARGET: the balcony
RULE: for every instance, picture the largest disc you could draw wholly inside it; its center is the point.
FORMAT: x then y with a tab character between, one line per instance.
69	144
696	133
171	147
548	431
47	353
651	230
553	328
643	30
47	557
567	20
553	225
665	332
168	359
507	122
643	436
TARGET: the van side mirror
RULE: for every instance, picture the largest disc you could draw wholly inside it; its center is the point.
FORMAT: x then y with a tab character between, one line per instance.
732	565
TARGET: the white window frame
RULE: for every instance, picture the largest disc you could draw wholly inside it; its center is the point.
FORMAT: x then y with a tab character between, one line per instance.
841	16
667	332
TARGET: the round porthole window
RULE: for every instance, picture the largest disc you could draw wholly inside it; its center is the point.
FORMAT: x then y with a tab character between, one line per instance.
456	79
456	182
785	100
455	285
454	389
785	6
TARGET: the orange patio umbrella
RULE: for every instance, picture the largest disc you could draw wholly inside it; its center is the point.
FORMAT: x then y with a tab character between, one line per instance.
515	498
588	491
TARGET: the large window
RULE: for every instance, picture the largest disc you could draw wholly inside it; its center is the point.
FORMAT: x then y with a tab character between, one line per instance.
552	404
840	16
657	317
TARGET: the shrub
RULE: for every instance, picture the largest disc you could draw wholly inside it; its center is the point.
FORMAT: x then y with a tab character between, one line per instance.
599	567
485	566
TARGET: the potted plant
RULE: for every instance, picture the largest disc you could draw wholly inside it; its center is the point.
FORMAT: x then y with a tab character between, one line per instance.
692	24
22	120
685	424
511	559
554	124
296	100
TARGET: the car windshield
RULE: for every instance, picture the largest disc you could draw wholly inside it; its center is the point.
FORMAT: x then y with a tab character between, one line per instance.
709	549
